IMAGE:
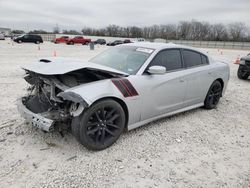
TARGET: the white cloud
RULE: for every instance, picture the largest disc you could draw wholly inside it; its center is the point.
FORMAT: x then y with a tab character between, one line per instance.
75	14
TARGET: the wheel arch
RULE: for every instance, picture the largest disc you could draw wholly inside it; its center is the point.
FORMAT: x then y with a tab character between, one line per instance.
221	82
121	102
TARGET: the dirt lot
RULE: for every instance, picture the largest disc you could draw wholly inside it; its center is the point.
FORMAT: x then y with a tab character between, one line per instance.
198	148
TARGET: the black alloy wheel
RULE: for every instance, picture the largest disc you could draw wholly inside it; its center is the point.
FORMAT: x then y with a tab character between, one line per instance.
100	125
213	96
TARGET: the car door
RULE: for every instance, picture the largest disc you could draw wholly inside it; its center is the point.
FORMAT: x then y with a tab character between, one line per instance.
163	93
25	38
198	75
80	40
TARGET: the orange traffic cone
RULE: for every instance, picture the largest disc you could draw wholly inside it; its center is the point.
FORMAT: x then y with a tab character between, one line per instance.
54	54
237	61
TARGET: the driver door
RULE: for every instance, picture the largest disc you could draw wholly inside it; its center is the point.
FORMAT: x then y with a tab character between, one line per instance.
164	93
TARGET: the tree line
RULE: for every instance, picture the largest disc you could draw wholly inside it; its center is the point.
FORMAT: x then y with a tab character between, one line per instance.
184	30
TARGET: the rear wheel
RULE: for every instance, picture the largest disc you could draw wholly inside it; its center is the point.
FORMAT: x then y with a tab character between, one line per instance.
37	42
241	73
213	96
100	125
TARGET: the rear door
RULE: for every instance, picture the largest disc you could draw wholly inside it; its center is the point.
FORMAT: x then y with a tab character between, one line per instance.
163	93
198	75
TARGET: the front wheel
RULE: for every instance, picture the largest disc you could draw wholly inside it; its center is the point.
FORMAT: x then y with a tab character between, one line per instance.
213	96
241	73
100	125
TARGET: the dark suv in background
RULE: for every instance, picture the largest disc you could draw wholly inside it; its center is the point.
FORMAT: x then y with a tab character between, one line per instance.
29	38
100	41
244	68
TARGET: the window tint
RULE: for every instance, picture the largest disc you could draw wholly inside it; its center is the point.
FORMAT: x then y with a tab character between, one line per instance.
192	58
204	59
171	59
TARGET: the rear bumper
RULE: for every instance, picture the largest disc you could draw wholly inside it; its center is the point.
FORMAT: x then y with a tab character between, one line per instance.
37	120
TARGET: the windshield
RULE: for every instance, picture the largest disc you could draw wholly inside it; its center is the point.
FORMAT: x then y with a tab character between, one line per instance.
127	59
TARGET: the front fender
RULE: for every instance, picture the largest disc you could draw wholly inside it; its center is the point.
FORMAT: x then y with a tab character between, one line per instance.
94	91
91	92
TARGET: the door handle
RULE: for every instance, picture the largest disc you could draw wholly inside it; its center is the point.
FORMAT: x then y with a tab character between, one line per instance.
182	80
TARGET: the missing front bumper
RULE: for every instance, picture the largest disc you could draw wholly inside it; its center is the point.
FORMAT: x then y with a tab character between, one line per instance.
37	120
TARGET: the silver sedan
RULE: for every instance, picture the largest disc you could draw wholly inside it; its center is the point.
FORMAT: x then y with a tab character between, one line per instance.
120	89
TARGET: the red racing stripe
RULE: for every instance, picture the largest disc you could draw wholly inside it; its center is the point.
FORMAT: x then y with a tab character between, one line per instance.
125	87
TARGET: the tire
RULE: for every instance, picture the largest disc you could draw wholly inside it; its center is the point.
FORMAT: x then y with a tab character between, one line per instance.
19	41
72	43
99	126
241	73
37	42
213	95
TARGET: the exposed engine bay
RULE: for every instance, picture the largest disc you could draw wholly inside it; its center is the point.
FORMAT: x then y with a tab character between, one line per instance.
46	94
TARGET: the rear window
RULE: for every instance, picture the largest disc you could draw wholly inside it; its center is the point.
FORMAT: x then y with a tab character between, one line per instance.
204	59
192	58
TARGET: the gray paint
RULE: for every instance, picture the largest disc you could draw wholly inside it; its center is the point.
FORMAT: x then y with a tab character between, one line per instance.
159	95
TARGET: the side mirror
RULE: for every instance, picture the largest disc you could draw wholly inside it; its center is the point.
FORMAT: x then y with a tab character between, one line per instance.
157	70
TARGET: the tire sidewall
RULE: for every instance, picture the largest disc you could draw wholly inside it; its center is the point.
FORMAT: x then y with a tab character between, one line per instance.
207	105
84	118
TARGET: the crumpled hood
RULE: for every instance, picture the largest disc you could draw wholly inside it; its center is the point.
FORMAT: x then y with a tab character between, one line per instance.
58	66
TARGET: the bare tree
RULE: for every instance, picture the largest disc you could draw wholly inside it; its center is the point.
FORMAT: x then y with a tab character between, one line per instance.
237	30
56	29
184	30
219	32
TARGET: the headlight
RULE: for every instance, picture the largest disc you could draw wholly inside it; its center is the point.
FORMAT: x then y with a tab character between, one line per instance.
242	62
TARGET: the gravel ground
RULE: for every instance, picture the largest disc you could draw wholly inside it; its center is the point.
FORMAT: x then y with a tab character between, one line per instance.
199	148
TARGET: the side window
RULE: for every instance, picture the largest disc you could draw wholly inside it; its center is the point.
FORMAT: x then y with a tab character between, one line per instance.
192	58
204	59
171	59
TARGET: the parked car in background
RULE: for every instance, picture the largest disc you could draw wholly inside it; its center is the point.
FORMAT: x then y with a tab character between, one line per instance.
62	39
116	42
127	41
120	89
100	41
244	68
2	36
138	40
78	40
29	38
13	36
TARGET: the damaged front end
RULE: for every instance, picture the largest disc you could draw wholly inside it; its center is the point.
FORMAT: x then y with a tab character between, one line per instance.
48	103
